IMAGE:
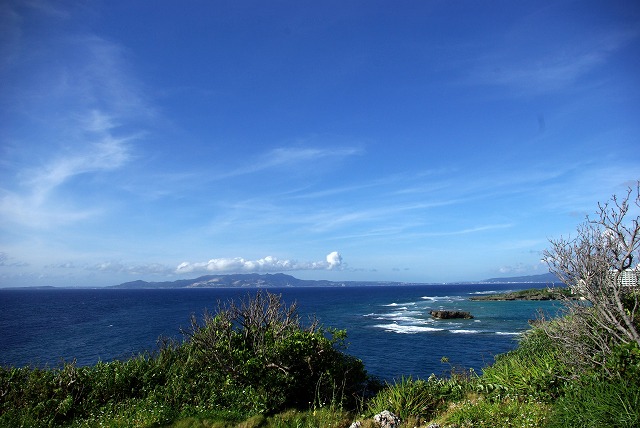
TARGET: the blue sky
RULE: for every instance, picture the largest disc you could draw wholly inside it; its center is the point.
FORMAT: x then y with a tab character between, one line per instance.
420	141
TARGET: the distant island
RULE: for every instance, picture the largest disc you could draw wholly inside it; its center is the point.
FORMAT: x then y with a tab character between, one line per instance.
248	280
284	280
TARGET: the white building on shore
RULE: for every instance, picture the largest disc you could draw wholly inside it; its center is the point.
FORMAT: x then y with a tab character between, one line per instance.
630	277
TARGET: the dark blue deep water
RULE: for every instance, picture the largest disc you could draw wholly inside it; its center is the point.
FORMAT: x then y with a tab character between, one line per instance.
389	328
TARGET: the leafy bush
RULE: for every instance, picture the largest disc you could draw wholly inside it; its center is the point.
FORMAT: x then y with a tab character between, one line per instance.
624	361
257	356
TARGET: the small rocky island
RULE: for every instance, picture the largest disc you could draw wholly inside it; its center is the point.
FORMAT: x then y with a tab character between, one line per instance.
445	315
556	293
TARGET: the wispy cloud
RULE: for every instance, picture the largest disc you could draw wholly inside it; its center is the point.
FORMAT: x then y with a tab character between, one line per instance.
368	213
290	157
287	155
539	72
48	8
7	261
476	229
33	202
107	154
79	119
413	235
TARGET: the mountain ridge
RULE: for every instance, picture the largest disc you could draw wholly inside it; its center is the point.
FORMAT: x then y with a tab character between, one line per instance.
284	280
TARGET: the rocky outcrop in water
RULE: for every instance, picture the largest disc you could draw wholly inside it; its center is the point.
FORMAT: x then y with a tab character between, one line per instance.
445	315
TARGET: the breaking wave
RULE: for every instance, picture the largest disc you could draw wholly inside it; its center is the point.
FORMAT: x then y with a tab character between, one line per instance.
407	329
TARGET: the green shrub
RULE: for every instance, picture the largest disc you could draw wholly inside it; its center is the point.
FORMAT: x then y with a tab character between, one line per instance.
257	356
50	397
624	361
56	396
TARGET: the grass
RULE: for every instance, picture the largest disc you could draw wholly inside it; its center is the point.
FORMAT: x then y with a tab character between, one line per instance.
531	371
417	398
479	412
598	403
320	418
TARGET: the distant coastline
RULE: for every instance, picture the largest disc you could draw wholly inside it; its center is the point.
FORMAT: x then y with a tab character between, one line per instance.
555	293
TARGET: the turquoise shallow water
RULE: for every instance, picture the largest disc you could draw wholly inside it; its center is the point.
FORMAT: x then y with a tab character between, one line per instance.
389	328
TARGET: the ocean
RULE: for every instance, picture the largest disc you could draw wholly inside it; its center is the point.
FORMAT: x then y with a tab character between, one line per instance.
389	327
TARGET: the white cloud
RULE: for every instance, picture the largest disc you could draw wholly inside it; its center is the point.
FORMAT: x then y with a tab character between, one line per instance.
333	261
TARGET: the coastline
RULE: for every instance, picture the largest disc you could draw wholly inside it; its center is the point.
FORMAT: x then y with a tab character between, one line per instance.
534	294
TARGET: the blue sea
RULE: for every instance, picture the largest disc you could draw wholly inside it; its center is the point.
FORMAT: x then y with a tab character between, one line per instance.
388	327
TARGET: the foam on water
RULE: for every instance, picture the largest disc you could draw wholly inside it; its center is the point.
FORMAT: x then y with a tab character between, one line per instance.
398	304
407	329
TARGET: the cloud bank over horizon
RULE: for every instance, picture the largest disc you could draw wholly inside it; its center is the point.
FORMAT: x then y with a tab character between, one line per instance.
333	261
